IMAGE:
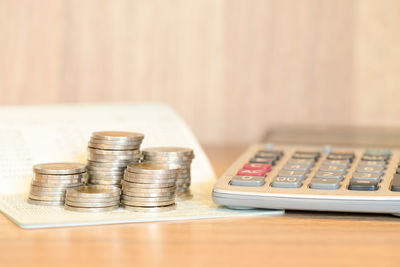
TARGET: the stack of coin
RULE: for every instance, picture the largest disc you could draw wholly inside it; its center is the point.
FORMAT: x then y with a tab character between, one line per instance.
109	154
51	180
149	187
92	198
174	156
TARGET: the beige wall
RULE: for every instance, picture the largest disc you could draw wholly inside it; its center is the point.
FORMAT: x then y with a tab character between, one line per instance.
231	68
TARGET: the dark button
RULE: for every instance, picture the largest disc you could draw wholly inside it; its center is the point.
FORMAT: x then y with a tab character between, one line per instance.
304	156
267	155
374	158
348	157
363	185
398	171
275	152
263	160
396	183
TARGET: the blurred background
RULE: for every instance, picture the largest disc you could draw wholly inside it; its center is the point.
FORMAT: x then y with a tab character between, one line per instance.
231	68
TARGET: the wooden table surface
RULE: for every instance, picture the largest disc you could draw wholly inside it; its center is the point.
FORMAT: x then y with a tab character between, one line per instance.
297	238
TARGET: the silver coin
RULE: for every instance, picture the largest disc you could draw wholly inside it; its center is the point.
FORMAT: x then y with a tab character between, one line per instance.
50	194
103	158
91	204
106	177
95	200
48	189
59	168
170	151
57	185
57	182
44	203
47	198
149	209
106	174
105	182
138	185
155	199
91	209
148	190
122	143
151	168
107	169
149	181
107	164
93	191
107	185
60	177
184	196
133	152
148	204
117	136
113	147
149	176
147	194
180	161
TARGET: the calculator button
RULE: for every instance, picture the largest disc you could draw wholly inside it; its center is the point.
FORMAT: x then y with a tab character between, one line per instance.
267	155
244	172
263	160
324	184
293	174
396	183
363	185
340	157
274	152
331	168
304	156
378	152
257	166
286	182
296	167
252	181
315	153
308	162
329	175
370	163
374	158
344	163
367	176
378	170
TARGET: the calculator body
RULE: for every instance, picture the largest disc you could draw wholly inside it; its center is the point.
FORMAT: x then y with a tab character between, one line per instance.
348	187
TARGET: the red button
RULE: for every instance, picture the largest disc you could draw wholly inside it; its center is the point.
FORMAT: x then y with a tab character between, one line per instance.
257	166
245	172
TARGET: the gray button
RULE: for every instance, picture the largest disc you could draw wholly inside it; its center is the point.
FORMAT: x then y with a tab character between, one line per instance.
344	163
395	183
308	162
370	163
286	182
294	167
324	184
267	155
370	169
330	175
374	158
367	176
331	168
247	181
293	174
363	185
304	156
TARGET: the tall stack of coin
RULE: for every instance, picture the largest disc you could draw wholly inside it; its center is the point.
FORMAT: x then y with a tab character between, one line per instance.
174	156
109	154
149	187
92	198
51	180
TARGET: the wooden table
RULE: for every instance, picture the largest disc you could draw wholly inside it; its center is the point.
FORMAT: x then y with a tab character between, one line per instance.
298	238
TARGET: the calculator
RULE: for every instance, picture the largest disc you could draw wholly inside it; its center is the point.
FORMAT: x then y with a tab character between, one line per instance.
347	170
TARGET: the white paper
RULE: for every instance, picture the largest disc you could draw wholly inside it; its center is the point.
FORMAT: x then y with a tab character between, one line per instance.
37	134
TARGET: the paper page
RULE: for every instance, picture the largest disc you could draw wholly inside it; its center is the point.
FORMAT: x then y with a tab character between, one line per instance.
37	134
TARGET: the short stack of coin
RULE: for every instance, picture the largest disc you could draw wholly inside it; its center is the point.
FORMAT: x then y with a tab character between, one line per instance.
51	180
149	187
174	156
92	198
109	154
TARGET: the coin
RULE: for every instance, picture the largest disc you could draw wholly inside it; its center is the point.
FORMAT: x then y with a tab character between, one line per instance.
117	135
149	180
176	151
106	174
47	198
60	177
148	203
91	204
151	168
93	191
148	190
155	199
56	185
149	209
104	158
95	200
91	209
107	164
105	182
148	194
138	185
105	169
149	176
48	189
56	182
44	203
114	152
123	143
59	168
50	194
